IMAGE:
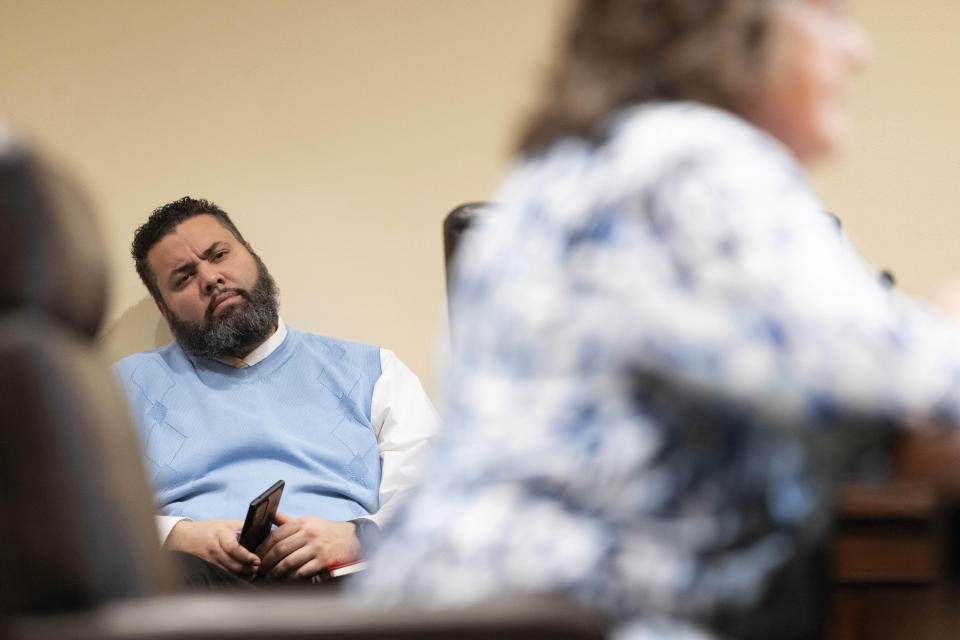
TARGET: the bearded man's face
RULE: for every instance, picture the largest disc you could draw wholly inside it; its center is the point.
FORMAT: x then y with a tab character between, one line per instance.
214	291
237	328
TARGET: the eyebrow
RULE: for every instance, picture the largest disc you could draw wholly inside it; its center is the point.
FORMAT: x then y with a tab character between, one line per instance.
190	266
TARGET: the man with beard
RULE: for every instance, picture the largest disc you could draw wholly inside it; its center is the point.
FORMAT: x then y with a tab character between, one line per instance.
241	400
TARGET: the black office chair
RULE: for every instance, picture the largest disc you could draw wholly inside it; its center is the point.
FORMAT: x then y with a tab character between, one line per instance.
455	225
81	558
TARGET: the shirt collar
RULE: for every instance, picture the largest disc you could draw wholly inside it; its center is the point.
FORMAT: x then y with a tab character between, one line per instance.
269	346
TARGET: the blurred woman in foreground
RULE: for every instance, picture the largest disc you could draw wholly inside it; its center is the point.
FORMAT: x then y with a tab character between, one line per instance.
663	344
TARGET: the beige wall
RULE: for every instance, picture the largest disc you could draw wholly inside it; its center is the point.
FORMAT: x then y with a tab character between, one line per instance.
898	187
338	133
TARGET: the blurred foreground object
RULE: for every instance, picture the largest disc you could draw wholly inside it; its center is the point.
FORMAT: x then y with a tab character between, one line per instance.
76	527
664	354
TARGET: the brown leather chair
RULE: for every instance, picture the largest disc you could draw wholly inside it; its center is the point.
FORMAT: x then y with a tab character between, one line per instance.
81	558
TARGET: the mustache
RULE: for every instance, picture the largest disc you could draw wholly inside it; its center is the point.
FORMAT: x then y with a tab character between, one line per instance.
208	314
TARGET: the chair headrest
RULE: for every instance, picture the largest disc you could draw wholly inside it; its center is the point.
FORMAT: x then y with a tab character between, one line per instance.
51	255
458	221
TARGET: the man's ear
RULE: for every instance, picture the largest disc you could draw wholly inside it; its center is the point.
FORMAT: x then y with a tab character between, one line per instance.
160	308
249	247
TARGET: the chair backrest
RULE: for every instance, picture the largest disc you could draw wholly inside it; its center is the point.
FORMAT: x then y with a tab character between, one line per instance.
455	224
51	256
77	526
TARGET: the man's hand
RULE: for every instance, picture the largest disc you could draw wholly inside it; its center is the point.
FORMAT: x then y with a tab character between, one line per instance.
215	541
300	547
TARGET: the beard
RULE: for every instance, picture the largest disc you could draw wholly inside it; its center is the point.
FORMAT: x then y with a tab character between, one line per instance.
239	328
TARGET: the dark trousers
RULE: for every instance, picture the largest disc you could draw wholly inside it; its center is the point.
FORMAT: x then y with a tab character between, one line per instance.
198	574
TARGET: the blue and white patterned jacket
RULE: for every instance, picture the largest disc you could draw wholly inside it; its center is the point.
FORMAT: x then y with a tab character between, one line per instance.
660	343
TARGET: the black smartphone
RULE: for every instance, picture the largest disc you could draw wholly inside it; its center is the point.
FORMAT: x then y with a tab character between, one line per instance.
260	516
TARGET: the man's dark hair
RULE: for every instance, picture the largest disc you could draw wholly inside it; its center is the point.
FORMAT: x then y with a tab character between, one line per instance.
163	221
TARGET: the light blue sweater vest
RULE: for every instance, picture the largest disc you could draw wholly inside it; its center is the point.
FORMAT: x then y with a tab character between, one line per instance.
215	437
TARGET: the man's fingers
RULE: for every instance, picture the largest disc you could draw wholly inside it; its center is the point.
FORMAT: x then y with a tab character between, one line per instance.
308	570
281	550
242	555
281	519
288	565
223	560
236	552
287	529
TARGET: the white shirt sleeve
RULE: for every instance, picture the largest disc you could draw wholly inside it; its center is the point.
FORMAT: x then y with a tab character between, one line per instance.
404	420
165	525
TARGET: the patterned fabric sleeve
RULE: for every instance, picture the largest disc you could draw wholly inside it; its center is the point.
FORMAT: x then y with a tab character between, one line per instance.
658	342
725	273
